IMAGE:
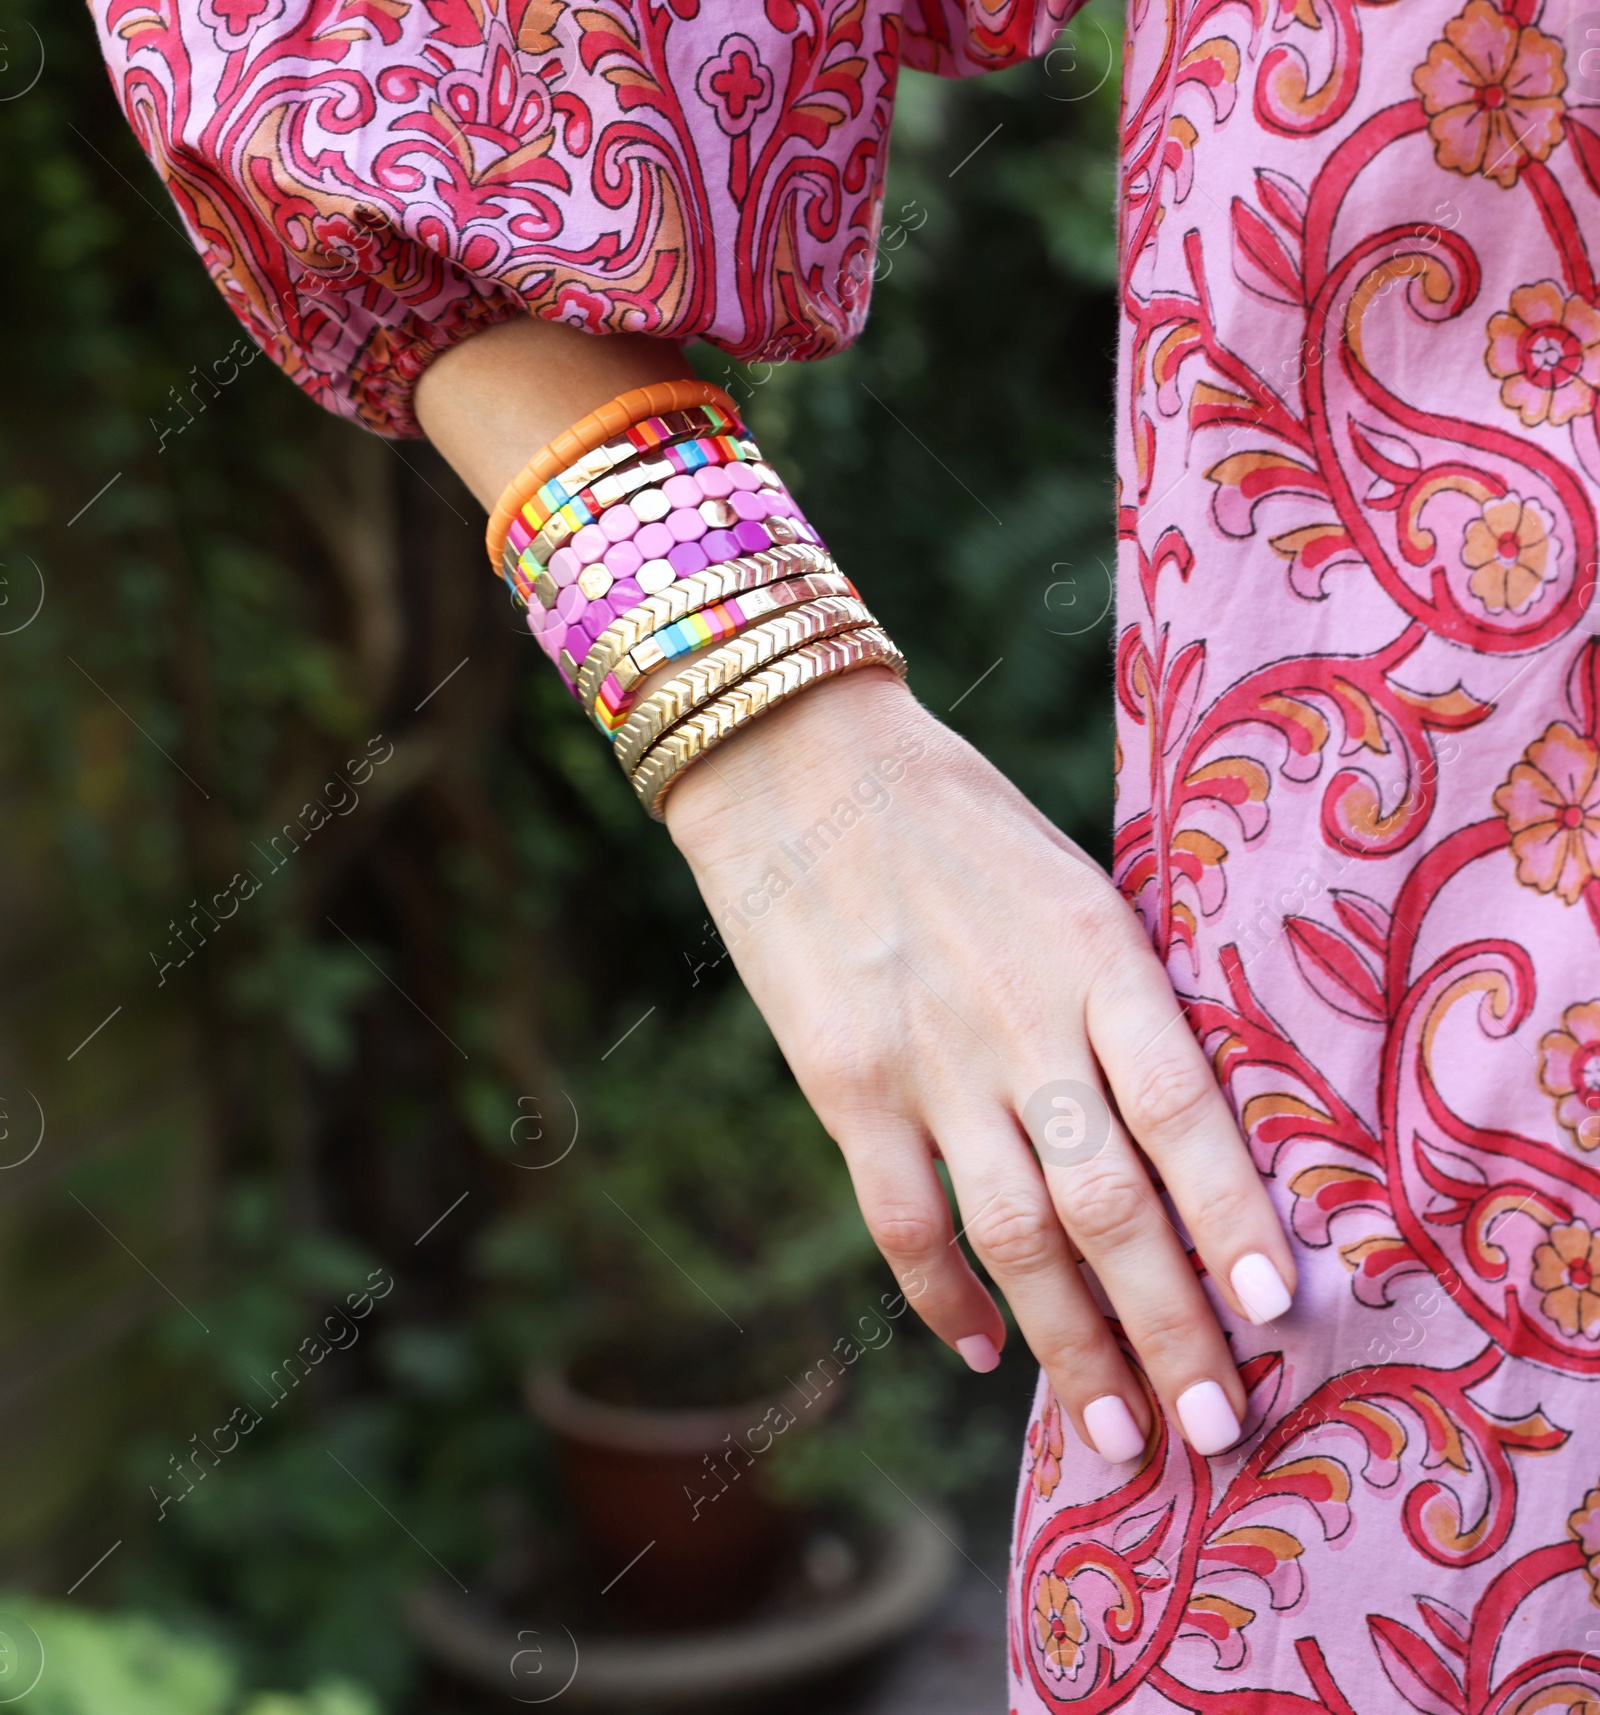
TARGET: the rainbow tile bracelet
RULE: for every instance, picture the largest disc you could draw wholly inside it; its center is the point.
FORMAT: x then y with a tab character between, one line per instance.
698	422
673	579
705	423
585	505
527	549
588	504
711	624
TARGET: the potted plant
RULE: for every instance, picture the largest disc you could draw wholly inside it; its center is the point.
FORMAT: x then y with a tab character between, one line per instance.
669	1434
709	1336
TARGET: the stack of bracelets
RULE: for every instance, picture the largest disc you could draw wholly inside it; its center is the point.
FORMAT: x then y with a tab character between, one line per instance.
652	529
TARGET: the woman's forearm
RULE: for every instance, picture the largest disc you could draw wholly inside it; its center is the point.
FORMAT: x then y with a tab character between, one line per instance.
491	402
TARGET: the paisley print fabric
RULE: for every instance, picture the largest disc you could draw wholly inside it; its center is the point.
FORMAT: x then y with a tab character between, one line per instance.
1359	810
1358	683
370	181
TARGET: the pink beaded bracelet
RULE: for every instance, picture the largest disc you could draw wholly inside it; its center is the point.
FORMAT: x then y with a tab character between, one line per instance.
566	630
527	550
586	506
655	526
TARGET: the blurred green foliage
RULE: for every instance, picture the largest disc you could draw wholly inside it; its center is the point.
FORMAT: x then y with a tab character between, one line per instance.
375	1063
71	1662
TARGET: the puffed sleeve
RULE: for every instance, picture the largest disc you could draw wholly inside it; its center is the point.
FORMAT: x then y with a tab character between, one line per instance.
369	181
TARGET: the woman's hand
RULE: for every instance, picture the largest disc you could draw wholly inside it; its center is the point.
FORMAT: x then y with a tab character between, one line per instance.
949	975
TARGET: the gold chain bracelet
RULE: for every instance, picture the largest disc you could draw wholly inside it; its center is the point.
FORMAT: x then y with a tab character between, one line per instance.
688	595
751	698
712	674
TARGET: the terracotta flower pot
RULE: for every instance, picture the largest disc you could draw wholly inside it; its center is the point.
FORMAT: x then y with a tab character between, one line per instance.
677	1496
521	1651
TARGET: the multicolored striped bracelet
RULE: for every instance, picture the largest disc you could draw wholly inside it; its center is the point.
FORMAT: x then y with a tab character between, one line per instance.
713	624
588	505
610	422
533	548
712	674
701	422
702	589
721	474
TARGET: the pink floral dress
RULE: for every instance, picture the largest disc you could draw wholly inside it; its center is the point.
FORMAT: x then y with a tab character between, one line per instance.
1358	682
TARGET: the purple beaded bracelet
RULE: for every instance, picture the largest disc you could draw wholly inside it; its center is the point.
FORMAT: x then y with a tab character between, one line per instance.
567	629
674	511
525	552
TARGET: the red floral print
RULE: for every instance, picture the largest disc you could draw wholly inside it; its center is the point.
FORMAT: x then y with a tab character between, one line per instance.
1551	803
1058	1621
1508	546
1566	1270
1569	1070
1492	91
1584	1528
1046	1443
736	85
1357	683
1546	350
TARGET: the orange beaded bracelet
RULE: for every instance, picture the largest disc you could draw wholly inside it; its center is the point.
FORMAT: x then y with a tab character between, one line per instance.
587	434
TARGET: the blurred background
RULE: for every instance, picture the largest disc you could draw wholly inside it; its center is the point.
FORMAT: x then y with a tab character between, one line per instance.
366	1231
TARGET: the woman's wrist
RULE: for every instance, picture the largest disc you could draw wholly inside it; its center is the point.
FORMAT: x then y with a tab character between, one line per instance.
802	755
784	699
488	402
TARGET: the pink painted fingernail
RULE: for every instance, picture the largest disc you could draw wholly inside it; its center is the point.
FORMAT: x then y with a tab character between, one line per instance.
1116	1436
979	1351
1259	1288
1207	1418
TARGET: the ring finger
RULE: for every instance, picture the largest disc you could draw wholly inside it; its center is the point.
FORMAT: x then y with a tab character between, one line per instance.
1107	1204
1013	1227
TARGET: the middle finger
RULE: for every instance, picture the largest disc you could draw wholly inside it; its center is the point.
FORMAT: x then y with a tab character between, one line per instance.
1110	1210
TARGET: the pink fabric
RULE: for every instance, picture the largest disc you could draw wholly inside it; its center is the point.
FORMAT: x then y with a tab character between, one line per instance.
370	181
1359	810
1358	684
